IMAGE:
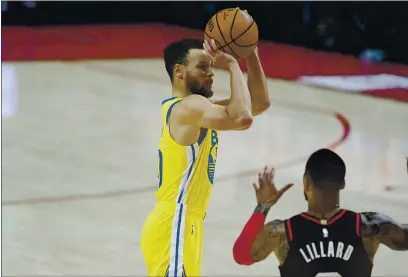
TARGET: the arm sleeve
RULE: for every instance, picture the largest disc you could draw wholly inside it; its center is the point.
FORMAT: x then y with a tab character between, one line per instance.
242	246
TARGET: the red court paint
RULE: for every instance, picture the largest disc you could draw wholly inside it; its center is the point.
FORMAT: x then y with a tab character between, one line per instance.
147	41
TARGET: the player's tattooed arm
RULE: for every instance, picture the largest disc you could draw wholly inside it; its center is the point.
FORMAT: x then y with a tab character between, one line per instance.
385	230
271	237
257	239
263	207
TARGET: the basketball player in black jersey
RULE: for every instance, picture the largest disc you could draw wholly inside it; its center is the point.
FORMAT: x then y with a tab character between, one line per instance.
326	238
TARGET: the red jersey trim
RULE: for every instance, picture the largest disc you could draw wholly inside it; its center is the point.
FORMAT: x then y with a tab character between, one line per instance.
358	224
289	229
318	221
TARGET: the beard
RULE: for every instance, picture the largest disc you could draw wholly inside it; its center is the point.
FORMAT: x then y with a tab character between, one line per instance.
196	88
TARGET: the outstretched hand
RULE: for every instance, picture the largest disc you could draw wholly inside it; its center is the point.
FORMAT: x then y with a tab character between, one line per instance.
265	190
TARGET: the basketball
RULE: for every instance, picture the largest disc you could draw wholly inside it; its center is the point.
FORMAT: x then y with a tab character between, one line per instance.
234	31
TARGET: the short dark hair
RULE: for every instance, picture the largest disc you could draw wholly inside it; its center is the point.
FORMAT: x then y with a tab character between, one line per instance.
177	53
325	169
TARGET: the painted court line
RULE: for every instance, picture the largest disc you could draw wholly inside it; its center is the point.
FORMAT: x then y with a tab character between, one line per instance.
222	178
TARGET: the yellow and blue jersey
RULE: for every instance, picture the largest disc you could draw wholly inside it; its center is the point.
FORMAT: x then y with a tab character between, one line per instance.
186	173
172	235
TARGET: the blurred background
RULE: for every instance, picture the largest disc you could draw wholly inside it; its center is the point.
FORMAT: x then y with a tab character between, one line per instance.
375	32
82	84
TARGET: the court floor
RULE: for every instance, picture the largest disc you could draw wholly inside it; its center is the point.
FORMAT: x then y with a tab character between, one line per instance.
79	165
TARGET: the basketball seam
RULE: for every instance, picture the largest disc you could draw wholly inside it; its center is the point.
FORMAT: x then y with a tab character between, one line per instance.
232	24
223	46
233	40
227	44
216	41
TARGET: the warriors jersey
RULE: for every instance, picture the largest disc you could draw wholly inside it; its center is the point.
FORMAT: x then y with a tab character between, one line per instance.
186	173
172	234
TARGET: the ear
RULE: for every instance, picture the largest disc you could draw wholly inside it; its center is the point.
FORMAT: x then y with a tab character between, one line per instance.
179	71
343	186
306	184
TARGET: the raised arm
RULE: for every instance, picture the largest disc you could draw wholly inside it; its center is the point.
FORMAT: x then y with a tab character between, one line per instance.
257	86
201	112
257	239
271	238
383	229
198	111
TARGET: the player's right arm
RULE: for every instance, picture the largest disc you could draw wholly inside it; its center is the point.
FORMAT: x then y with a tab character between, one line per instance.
257	239
198	111
239	108
382	229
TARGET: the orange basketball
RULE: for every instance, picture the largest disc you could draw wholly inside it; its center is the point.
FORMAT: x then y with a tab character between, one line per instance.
234	31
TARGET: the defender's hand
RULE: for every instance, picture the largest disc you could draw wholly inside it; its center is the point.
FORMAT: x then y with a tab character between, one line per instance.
218	58
265	190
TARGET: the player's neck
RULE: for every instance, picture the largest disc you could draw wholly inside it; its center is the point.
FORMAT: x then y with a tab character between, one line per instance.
180	91
324	205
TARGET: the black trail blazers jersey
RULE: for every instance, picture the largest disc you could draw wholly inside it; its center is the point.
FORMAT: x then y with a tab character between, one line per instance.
318	246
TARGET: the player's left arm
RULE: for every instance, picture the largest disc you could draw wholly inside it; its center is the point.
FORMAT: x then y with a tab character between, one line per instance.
257	86
385	230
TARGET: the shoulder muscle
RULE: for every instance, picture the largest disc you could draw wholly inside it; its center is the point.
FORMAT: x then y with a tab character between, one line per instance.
385	229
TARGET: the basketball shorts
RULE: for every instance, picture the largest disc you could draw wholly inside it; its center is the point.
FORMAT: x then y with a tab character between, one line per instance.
172	240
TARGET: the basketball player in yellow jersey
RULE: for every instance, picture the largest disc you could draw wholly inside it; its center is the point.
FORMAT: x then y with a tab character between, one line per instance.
173	231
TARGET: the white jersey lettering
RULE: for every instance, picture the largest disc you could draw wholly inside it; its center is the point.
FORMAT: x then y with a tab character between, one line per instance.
321	250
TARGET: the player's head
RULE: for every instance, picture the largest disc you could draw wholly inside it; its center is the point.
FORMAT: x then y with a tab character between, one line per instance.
325	172
188	66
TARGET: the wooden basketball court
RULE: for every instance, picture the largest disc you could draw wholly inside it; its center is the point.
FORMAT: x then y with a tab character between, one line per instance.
80	164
